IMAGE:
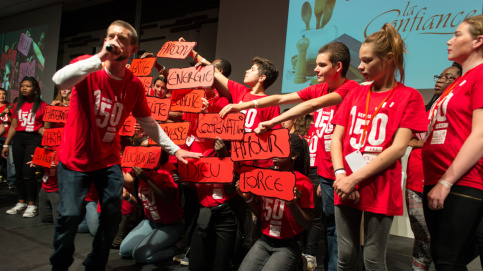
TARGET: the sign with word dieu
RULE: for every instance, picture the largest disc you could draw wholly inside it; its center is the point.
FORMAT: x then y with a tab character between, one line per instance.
207	170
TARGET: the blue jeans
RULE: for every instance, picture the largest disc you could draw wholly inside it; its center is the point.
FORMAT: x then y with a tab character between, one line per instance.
266	256
90	223
73	187
151	242
11	177
330	261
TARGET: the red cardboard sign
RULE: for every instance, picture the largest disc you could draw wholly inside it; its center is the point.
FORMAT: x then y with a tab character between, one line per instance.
268	145
267	182
56	113
43	157
177	132
52	137
159	107
211	125
187	100
176	49
147	82
207	170
143	157
142	66
127	128
191	77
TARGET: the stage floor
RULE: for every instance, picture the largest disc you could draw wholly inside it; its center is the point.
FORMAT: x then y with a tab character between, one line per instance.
26	244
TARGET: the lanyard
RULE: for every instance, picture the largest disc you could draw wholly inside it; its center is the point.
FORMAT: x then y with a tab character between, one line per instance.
364	133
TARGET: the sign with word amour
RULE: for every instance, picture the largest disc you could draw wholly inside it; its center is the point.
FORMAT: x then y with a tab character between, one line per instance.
268	145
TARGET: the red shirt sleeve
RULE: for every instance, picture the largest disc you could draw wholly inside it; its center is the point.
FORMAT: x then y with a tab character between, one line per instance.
342	114
413	117
237	90
141	108
477	94
307	93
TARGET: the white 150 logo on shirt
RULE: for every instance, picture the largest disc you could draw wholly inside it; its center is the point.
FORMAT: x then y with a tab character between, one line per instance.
277	212
250	116
26	120
108	113
378	128
323	124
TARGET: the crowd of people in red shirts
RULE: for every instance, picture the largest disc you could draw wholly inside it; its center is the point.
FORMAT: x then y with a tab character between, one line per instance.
346	143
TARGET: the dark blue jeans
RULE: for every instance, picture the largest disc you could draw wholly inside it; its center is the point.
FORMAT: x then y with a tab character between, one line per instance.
328	211
73	187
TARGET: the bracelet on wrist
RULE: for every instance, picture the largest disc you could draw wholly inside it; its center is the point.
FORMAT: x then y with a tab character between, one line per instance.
445	183
5	146
340	171
256	103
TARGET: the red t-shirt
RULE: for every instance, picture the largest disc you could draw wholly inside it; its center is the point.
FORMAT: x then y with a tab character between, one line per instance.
381	193
452	126
6	119
199	144
320	149
240	93
28	122
415	180
155	208
211	195
277	220
99	106
49	180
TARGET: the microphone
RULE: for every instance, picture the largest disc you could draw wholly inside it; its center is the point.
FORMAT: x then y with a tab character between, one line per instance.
109	48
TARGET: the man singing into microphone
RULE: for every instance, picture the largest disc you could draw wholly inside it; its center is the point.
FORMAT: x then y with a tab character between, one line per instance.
101	100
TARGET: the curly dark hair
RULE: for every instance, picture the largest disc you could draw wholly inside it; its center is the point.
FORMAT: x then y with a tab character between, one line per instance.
300	149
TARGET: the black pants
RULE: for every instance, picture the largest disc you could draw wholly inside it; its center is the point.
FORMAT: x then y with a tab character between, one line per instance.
453	228
315	234
212	248
23	146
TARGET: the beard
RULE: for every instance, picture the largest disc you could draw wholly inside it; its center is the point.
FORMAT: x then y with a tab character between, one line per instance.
121	58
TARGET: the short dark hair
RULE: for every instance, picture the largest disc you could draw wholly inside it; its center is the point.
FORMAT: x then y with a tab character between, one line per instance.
265	67
223	65
2	89
128	26
161	78
338	52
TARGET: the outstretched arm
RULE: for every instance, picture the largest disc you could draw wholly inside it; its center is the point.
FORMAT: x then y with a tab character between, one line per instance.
272	100
221	82
301	110
156	133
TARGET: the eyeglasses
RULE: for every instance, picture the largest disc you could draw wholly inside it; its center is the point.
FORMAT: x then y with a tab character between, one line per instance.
443	78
